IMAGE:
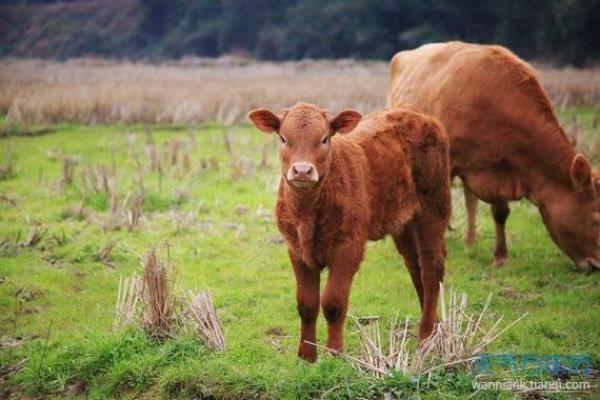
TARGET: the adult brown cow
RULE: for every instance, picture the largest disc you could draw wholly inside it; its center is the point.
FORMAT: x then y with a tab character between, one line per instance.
505	141
389	176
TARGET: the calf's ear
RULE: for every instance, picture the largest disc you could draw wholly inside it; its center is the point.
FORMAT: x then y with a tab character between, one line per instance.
581	174
264	120
345	121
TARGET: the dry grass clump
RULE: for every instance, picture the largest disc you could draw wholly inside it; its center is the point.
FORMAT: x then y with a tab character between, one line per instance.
157	295
35	92
10	247
458	339
69	164
36	234
77	212
151	302
134	214
103	254
99	179
204	318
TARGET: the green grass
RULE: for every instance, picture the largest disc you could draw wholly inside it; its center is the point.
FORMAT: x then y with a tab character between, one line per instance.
249	276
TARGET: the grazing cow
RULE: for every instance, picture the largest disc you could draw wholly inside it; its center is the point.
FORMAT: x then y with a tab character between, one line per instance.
388	176
505	141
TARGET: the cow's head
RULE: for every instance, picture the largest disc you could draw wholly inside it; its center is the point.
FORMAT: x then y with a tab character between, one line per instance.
305	133
572	215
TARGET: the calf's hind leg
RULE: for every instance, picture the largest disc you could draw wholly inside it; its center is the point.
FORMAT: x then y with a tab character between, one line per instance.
407	247
500	211
430	246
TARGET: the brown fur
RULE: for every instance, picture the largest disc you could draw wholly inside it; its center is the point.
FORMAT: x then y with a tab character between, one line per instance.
505	140
388	176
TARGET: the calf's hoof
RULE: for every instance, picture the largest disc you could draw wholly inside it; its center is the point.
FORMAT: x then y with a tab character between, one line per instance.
333	352
307	352
500	261
425	330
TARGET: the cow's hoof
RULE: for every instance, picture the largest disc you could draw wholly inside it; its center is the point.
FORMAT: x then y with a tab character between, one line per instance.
333	352
470	240
500	261
583	268
307	352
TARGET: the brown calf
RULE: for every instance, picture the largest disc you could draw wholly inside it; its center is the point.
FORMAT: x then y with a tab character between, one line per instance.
505	141
388	176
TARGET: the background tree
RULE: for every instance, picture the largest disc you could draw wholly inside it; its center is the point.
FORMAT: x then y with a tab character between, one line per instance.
565	31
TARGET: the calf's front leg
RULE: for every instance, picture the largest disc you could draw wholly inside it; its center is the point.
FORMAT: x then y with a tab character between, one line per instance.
307	298
345	263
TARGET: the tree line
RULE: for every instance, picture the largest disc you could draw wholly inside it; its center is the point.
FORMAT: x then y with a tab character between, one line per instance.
565	31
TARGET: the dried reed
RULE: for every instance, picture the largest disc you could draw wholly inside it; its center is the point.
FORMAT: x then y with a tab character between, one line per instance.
158	295
205	320
45	91
103	254
458	339
7	167
36	234
69	164
77	212
128	302
99	179
134	214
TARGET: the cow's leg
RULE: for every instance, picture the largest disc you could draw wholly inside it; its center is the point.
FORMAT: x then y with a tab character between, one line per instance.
471	208
334	301
500	211
407	247
430	245
307	297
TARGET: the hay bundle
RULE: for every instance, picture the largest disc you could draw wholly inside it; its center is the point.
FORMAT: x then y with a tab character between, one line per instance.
457	340
204	318
157	295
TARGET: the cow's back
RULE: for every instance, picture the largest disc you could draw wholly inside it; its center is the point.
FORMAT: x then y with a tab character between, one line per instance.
392	194
496	113
407	158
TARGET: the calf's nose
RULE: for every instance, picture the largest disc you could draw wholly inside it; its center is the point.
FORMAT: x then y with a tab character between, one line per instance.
302	171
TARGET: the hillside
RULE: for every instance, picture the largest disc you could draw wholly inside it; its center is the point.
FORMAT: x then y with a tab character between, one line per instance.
66	29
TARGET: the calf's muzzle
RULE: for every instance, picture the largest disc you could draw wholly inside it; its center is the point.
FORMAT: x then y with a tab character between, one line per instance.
302	174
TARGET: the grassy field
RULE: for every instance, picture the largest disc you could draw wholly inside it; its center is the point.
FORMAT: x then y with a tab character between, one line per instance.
214	210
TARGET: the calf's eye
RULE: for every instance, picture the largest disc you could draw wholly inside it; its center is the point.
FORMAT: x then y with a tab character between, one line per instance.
324	140
282	139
